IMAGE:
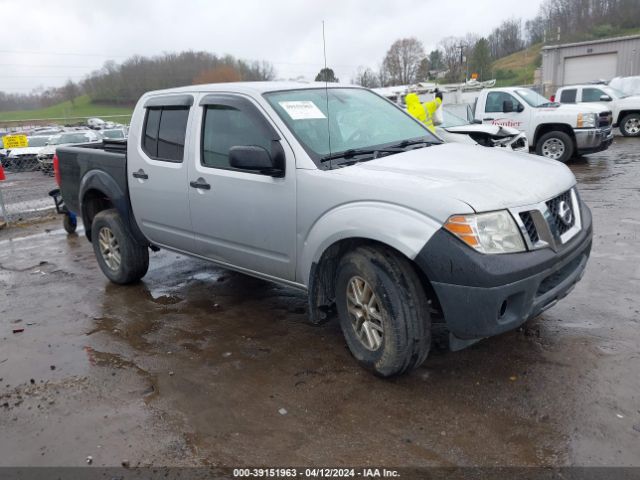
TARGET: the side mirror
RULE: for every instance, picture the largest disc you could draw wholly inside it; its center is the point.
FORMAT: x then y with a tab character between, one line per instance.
520	108
253	158
605	98
507	106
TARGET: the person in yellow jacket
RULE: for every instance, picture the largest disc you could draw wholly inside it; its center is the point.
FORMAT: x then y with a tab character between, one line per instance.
423	111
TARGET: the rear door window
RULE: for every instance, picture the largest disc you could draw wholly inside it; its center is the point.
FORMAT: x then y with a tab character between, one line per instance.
164	133
568	95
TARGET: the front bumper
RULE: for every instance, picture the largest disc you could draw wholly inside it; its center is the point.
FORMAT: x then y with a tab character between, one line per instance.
591	140
484	295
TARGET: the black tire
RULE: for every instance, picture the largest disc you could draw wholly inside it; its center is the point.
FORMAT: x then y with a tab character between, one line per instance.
629	125
69	224
562	138
134	258
401	303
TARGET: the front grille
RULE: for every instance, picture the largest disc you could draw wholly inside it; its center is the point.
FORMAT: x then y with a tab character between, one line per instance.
604	120
556	207
27	156
532	232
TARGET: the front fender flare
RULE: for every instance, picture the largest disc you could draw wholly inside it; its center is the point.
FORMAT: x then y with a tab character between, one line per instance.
399	227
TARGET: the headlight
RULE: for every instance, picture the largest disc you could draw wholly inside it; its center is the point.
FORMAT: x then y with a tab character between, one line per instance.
494	232
586	120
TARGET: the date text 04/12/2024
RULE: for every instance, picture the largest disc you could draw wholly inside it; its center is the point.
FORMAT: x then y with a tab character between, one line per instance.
314	473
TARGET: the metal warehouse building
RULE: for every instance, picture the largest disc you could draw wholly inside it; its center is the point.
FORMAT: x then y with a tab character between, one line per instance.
573	63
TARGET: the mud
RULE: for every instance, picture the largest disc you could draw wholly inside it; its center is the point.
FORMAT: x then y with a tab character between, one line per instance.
194	365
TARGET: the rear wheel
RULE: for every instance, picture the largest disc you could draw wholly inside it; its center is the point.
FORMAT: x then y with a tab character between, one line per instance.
120	257
383	311
556	146
630	125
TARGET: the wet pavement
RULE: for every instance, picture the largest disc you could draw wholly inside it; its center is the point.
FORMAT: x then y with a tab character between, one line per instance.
201	366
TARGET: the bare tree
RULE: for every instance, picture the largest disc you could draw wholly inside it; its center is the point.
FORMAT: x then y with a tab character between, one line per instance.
70	91
366	77
402	60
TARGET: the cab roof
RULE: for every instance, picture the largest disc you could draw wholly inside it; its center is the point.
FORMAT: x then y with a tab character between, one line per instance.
250	88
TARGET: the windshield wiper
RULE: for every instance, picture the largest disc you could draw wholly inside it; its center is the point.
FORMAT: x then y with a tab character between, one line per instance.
548	104
409	143
352	152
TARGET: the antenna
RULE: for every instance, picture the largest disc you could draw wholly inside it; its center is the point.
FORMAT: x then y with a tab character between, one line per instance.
326	92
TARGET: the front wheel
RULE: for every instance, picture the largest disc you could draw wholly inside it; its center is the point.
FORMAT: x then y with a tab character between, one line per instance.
383	310
556	146
630	125
120	257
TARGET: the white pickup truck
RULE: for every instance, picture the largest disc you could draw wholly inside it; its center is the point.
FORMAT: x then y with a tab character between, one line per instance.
626	108
555	131
340	193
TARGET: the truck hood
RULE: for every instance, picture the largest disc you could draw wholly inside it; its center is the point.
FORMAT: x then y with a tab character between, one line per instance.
496	131
484	178
579	108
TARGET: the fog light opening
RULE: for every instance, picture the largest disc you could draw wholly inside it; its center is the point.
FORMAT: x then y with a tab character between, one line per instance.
503	308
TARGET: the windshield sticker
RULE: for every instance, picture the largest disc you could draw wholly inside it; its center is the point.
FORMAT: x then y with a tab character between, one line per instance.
302	110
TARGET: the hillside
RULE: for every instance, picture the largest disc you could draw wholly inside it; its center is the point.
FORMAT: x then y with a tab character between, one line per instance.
66	112
517	68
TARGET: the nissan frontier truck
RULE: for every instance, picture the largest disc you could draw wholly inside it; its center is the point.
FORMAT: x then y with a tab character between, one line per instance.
335	191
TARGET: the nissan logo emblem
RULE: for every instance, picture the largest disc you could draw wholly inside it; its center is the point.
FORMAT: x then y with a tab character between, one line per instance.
565	213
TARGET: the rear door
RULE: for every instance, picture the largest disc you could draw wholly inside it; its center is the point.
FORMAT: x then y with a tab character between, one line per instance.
157	172
242	218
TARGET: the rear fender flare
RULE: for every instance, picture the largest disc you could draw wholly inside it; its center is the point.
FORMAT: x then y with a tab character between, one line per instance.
103	182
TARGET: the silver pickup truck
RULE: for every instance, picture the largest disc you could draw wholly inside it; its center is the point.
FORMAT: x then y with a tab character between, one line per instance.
338	192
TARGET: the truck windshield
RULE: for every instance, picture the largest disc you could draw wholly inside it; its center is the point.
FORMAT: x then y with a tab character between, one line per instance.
356	119
533	98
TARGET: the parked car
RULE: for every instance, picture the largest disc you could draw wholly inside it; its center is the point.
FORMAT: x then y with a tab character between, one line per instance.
45	156
95	123
26	159
555	131
459	126
114	134
381	223
625	108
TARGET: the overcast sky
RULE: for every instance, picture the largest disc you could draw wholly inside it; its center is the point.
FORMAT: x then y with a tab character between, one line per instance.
46	42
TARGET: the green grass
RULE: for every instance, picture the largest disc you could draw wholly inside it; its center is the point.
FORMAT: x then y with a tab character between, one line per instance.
66	112
517	68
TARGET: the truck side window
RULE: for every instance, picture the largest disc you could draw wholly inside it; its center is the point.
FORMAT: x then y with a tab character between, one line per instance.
164	133
591	94
496	99
568	95
226	126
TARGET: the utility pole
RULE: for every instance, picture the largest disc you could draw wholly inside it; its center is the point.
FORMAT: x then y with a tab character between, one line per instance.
461	47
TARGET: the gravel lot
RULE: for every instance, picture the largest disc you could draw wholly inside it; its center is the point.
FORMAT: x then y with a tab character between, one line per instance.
201	366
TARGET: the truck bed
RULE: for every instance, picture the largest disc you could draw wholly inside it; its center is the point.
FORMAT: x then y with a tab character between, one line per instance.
109	156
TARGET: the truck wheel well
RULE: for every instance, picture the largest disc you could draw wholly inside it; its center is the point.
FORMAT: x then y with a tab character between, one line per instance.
623	114
323	277
563	127
93	202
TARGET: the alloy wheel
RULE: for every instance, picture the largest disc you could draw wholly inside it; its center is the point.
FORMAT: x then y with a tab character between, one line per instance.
364	311
109	248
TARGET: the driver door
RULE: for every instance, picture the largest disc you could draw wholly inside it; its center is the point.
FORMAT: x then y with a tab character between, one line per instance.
496	114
